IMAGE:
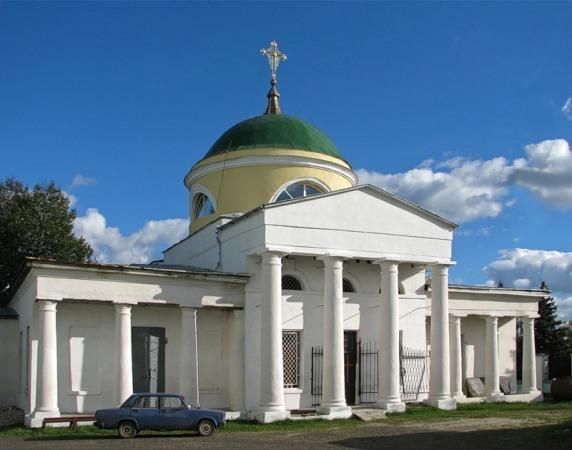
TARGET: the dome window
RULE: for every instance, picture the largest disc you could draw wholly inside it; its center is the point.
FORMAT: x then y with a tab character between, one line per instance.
291	283
298	190
202	206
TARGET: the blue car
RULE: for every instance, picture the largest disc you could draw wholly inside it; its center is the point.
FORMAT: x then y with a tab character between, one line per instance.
160	412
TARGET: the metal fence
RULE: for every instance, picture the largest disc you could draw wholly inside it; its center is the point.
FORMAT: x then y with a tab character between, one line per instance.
414	371
316	374
368	372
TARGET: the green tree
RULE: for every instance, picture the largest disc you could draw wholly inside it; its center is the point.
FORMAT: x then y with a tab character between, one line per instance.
37	222
550	334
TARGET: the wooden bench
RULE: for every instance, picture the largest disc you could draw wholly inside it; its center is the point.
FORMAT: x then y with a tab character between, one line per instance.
73	420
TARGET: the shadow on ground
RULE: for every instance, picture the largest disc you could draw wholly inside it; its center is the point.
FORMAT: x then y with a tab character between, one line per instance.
555	437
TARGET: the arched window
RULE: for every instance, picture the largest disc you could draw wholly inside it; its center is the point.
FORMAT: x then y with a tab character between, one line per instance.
291	283
348	285
298	190
202	206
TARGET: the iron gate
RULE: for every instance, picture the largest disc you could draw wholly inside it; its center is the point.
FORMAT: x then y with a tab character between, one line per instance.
316	374
367	369
368	372
414	373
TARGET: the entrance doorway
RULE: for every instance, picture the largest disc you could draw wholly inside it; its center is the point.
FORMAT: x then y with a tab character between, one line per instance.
350	364
148	348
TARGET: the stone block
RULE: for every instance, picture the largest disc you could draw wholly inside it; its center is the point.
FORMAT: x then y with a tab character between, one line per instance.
475	387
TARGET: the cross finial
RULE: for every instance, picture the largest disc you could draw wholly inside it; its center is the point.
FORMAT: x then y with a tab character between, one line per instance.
274	57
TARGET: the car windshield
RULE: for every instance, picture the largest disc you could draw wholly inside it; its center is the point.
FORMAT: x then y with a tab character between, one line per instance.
128	402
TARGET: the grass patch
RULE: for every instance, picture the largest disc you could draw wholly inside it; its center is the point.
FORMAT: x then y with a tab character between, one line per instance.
81	431
535	411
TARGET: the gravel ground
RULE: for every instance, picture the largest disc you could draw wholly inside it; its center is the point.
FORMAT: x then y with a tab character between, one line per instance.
466	434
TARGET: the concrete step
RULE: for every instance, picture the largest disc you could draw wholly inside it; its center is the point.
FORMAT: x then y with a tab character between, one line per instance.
369	414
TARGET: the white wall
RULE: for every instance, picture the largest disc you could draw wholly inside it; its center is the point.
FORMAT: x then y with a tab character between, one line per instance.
473	333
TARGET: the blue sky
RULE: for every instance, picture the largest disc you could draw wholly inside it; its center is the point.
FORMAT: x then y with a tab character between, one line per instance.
458	106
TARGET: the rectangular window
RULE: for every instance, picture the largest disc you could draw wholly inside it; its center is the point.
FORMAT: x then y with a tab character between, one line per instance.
291	358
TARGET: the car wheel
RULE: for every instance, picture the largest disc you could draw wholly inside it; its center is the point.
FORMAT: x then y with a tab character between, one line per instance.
205	427
127	430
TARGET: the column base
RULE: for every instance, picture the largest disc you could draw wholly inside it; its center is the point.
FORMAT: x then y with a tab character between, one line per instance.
459	397
36	419
494	397
335	412
391	407
447	404
271	416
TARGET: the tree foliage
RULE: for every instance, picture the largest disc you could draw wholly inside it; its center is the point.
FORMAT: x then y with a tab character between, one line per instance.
37	222
550	335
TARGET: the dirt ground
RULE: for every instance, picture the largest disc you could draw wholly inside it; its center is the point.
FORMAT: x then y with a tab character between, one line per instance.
466	434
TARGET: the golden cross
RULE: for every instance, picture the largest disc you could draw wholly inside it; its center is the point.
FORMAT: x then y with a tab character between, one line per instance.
274	57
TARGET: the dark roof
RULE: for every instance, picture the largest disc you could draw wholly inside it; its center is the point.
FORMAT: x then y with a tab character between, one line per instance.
274	131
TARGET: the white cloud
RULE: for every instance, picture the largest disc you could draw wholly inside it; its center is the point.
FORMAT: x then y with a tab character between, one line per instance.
547	172
80	180
463	190
109	245
525	268
72	198
567	108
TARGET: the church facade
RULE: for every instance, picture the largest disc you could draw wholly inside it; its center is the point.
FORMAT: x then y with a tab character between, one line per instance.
296	289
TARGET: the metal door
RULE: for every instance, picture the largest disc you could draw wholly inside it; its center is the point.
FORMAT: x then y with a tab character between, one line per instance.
148	347
350	363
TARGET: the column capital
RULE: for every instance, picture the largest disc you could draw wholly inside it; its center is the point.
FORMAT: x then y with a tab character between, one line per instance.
123	308
454	319
387	265
272	257
332	261
47	305
491	319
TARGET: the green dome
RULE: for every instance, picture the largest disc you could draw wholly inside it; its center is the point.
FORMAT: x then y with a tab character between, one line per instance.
274	131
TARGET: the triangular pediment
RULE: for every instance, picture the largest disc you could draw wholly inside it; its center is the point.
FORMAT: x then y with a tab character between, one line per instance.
362	207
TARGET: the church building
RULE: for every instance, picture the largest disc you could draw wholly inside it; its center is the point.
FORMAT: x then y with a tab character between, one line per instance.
296	289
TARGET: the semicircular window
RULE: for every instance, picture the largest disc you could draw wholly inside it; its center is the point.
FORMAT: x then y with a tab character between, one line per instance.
291	283
202	206
348	285
298	190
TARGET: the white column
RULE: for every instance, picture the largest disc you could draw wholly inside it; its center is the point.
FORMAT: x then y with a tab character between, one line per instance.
123	381
271	406
492	389
528	357
439	376
456	359
333	400
389	395
47	402
189	363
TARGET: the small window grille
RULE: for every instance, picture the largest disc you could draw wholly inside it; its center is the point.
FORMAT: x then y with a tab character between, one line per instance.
348	286
291	358
291	283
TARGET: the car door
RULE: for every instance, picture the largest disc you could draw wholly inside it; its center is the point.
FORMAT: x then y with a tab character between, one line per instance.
173	413
146	412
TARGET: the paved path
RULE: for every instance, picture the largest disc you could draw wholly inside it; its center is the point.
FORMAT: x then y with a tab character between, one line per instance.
466	434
